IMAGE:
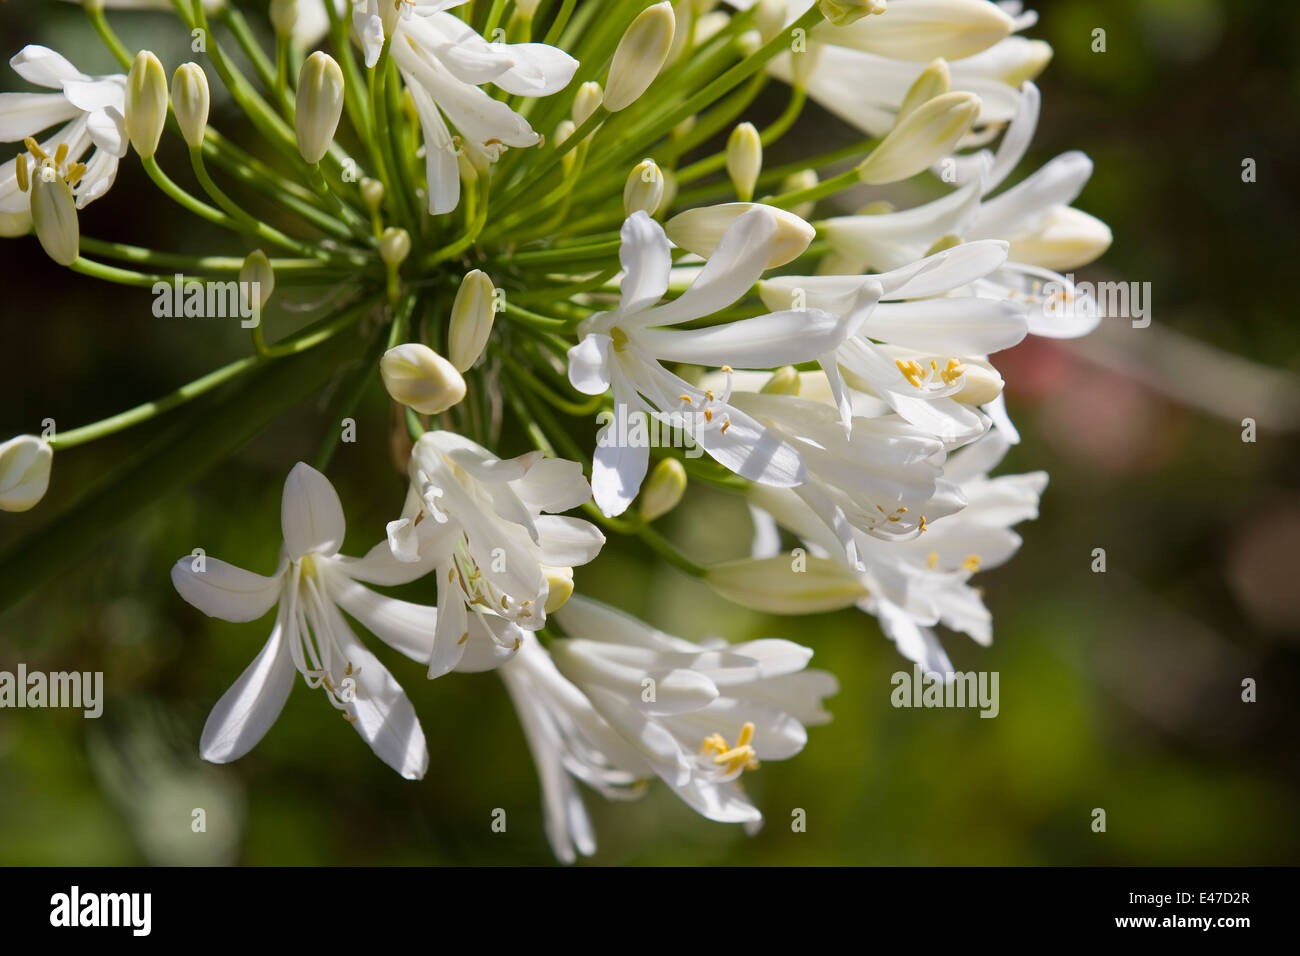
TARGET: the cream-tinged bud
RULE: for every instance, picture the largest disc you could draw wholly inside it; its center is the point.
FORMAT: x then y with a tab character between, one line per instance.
418	377
935	80
920	139
670	193
798	182
585	100
559	587
372	193
24	472
320	105
54	214
784	381
981	383
640	56
563	130
257	276
284	15
1066	239
472	315
190	102
664	489
644	190
699	230
683	129
806	584
843	12
146	103
394	246
920	30
744	159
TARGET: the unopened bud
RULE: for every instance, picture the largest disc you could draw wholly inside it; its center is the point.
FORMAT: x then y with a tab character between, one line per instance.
472	315
769	17
24	472
645	188
935	80
418	377
190	102
146	103
663	490
744	159
559	587
1066	239
585	101
320	105
797	183
784	381
284	15
921	138
394	246
256	273
640	56
843	12
372	193
699	230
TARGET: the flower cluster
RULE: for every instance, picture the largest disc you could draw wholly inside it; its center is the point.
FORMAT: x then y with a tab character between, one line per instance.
531	215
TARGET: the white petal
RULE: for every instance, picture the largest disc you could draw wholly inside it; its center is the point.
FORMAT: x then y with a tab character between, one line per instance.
223	590
646	261
247	710
42	66
567	542
589	361
311	515
618	467
554	485
26	114
777	338
402	625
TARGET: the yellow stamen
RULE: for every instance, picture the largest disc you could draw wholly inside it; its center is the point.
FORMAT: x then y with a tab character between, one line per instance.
20	168
932	561
972	563
726	423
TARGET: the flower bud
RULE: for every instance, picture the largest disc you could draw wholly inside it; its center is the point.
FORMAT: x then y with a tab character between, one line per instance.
921	138
190	102
320	105
284	15
394	246
559	587
418	377
774	585
798	182
1066	239
146	103
585	101
700	230
769	18
24	472
843	12
640	56
54	214
563	130
645	188
982	383
472	315
670	193
664	489
935	80
744	159
919	32
256	275
784	381
372	193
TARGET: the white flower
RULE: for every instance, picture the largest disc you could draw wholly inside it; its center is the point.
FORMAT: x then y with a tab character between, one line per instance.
478	519
569	741
922	349
25	463
310	635
699	715
1035	217
89	111
444	62
624	349
915	584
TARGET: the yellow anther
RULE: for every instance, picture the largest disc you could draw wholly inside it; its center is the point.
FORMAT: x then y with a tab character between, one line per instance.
727	369
20	169
75	172
923	528
972	563
741	756
932	561
708	394
911	371
685	398
34	148
708	414
954	371
463	638
726	423
61	154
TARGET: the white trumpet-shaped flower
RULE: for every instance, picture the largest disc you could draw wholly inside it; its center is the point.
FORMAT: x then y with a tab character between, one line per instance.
311	636
699	715
922	349
444	62
478	520
569	742
623	350
84	152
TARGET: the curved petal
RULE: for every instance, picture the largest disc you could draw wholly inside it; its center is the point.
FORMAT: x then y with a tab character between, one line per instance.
224	591
311	514
589	362
566	542
247	710
646	260
402	625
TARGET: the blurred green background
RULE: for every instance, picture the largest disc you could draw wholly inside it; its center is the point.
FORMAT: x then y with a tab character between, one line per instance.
1119	690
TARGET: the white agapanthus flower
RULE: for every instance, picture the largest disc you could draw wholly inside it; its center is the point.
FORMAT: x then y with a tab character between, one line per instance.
923	349
500	563
911	586
313	581
699	715
570	742
624	350
1044	232
444	62
89	111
